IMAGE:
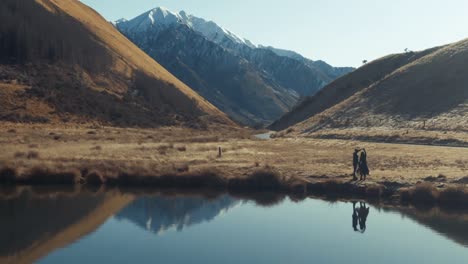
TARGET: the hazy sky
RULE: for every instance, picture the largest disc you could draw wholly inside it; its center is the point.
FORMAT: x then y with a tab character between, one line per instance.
341	32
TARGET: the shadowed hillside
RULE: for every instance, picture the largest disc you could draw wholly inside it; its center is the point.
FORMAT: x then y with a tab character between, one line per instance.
228	81
60	61
428	91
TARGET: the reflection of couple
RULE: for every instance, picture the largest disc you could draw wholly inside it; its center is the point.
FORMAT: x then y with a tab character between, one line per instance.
360	215
360	164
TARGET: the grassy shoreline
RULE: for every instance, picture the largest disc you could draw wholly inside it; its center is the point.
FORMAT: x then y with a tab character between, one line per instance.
173	157
264	180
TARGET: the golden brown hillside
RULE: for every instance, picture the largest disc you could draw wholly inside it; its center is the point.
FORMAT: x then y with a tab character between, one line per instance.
346	86
427	93
61	61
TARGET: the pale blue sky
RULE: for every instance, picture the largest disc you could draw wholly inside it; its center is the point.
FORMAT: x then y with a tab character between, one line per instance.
341	32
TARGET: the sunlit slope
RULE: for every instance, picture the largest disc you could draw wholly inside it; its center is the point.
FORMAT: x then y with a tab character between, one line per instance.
95	72
346	86
428	93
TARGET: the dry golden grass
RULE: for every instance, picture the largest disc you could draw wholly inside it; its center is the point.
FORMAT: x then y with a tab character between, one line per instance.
167	148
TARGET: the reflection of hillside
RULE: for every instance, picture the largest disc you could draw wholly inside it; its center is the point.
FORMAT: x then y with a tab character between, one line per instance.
158	214
451	225
33	227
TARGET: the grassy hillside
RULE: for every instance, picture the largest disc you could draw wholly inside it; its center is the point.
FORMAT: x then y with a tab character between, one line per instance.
346	86
66	58
428	92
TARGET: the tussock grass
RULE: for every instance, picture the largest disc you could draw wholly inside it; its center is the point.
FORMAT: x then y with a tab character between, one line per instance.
181	148
374	191
422	193
427	195
265	178
453	195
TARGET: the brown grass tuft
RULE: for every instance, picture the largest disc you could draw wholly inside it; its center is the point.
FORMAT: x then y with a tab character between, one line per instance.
262	179
422	193
181	148
374	191
98	148
453	195
181	167
32	155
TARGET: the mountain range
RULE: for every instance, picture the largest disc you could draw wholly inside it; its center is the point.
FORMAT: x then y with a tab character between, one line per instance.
252	84
60	61
161	214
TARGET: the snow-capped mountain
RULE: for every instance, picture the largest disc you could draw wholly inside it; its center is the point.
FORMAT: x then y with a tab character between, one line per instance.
253	84
161	214
161	17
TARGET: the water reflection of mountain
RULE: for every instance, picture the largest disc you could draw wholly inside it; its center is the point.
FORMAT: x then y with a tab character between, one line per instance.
32	226
159	214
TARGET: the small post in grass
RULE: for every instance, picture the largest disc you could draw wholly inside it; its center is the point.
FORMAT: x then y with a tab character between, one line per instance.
220	152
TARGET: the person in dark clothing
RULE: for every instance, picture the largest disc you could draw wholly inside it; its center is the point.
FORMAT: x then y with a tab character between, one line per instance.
355	163
363	167
363	213
355	217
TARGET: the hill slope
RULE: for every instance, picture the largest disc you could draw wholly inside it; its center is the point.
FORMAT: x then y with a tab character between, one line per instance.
424	90
253	85
61	61
345	87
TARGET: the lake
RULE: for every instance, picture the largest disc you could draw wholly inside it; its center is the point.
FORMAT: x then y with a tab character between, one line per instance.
114	228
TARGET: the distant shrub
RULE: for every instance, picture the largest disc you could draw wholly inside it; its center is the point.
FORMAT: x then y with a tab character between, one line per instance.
262	179
181	148
94	178
453	195
423	193
32	155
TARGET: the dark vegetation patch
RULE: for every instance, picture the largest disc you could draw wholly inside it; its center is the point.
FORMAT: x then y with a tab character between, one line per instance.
46	176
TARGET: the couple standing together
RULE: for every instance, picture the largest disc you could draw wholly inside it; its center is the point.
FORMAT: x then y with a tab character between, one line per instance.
360	164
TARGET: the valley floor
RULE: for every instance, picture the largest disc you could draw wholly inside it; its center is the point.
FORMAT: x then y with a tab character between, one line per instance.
174	151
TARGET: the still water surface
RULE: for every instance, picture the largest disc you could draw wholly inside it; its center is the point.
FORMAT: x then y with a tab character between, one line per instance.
109	229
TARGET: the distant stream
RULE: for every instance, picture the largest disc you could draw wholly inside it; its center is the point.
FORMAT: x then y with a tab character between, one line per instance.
264	136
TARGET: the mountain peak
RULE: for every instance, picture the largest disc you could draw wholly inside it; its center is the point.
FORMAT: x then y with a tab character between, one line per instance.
161	17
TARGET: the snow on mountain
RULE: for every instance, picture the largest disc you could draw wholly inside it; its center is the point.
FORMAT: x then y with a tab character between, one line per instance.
283	52
162	17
